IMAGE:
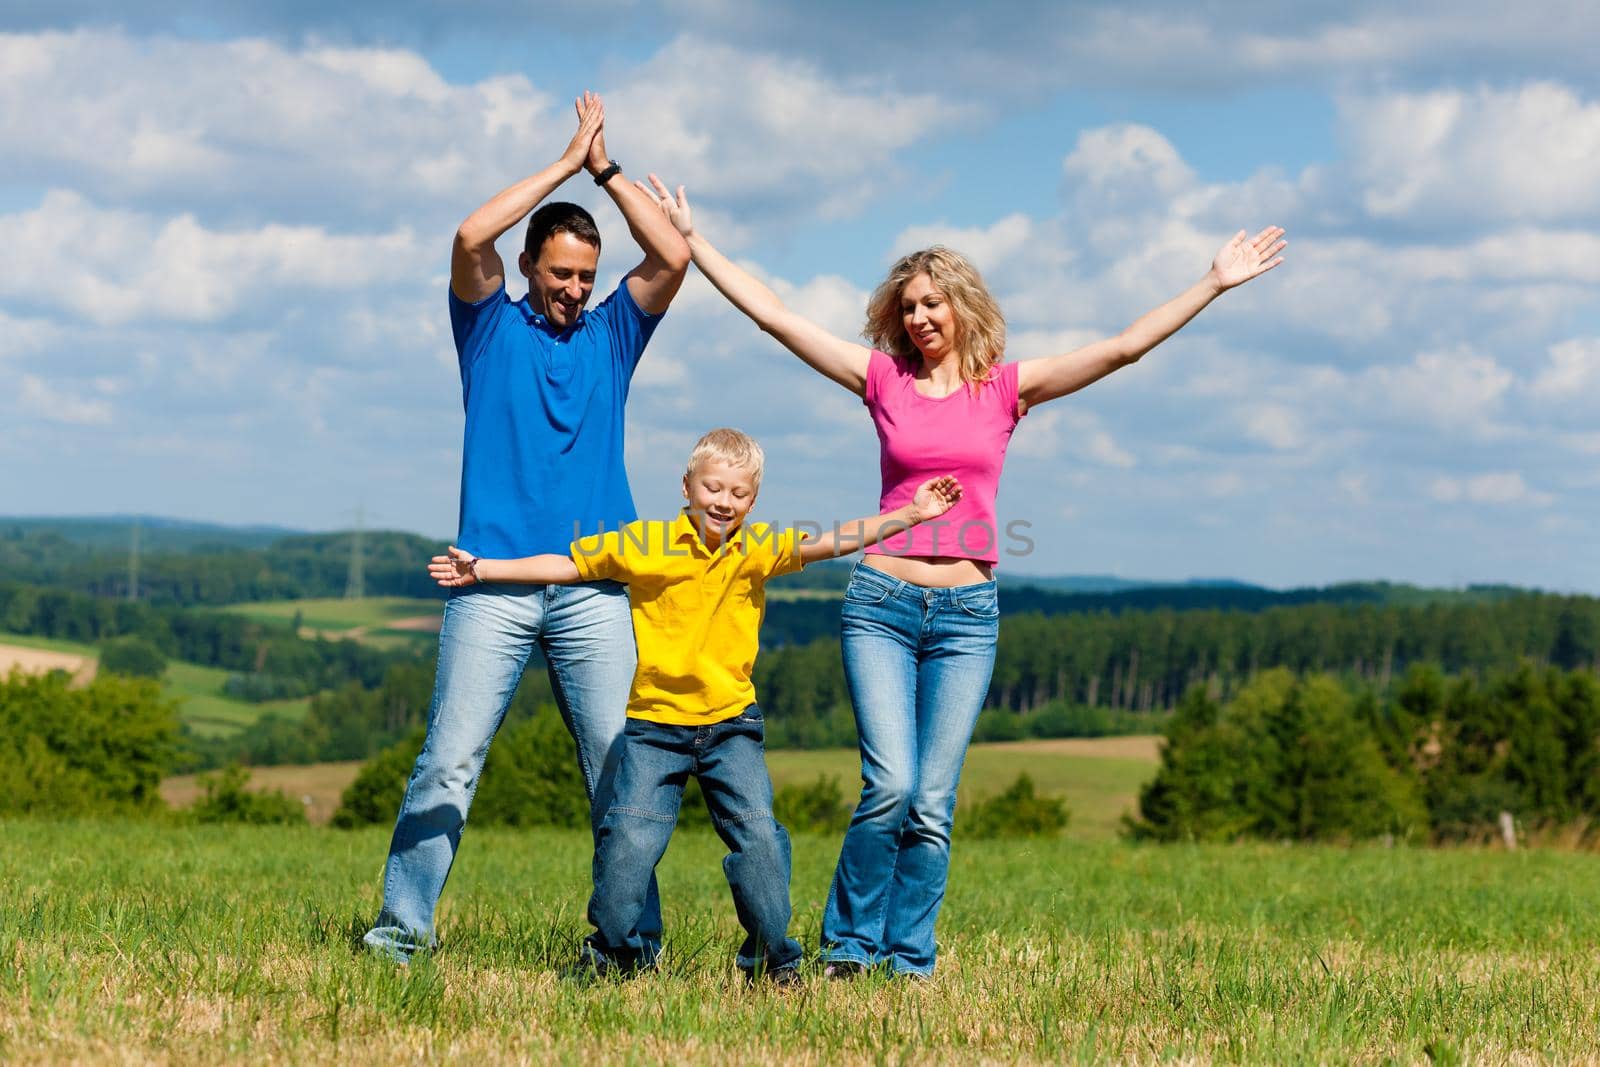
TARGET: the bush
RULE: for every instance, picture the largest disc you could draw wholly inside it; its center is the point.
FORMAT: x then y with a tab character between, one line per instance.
228	801
132	657
100	749
531	778
1017	812
816	808
1289	759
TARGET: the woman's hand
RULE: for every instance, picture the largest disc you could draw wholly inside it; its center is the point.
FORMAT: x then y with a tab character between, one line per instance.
675	209
453	570
591	117
1241	259
934	497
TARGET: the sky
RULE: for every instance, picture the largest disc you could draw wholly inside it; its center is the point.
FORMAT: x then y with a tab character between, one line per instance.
225	235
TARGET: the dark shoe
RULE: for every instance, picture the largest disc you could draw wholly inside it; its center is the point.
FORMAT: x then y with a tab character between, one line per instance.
783	977
786	977
842	970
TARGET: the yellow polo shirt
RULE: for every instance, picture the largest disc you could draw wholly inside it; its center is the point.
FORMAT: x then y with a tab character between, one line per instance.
696	613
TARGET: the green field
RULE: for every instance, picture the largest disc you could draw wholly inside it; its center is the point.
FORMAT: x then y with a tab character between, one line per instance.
209	712
337	615
198	690
131	942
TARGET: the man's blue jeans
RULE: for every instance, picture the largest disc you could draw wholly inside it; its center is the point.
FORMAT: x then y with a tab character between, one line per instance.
586	635
918	662
657	759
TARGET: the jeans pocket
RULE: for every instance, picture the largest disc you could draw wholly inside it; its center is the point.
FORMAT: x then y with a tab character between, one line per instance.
982	602
866	591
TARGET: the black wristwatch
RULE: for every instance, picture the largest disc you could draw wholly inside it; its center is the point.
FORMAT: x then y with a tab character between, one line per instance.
609	173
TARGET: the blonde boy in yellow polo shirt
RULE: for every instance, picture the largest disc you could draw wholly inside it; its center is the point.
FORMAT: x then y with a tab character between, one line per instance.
696	586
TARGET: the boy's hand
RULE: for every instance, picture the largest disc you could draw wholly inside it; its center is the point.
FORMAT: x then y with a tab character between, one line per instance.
935	497
456	569
676	209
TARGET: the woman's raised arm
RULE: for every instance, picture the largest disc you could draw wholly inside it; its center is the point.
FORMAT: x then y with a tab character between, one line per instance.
1241	259
843	361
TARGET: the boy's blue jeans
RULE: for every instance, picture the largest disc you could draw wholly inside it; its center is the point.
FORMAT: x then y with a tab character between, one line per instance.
657	760
918	662
586	634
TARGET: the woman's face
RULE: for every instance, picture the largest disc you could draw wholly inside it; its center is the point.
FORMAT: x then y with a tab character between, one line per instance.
929	319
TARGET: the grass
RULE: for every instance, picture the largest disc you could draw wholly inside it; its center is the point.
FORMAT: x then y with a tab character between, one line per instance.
50	644
125	942
333	616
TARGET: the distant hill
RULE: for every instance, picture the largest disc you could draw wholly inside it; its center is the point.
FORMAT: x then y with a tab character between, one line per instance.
207	563
113	533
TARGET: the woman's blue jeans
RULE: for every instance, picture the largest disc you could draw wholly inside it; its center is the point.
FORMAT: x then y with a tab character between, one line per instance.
586	635
918	662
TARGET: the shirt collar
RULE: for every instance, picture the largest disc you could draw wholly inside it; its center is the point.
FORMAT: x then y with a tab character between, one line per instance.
684	530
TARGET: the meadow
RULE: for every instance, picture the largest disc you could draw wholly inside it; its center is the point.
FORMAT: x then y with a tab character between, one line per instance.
146	941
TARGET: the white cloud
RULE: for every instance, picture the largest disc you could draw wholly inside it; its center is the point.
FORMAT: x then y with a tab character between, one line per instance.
113	266
1497	487
1572	375
1461	389
1275	426
54	403
1525	154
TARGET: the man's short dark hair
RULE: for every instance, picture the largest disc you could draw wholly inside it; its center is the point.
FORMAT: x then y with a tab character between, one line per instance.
560	217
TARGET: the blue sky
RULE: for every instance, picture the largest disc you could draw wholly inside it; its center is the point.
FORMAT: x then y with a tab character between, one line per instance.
226	233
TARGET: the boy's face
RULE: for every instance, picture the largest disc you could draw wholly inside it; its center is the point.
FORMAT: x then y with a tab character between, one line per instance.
720	495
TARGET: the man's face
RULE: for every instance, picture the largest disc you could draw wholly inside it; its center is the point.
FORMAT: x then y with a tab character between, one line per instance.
561	279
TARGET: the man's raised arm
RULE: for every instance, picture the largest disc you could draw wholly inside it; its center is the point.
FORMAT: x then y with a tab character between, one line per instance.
476	270
657	278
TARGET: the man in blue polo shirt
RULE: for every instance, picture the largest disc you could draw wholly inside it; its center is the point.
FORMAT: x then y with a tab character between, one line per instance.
544	382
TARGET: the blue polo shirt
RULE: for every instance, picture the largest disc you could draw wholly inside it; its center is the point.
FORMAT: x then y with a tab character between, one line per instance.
541	461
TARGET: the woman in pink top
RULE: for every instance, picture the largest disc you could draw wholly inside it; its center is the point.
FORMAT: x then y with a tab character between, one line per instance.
920	616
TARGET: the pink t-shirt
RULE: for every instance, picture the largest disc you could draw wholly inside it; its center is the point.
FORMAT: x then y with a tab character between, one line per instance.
922	437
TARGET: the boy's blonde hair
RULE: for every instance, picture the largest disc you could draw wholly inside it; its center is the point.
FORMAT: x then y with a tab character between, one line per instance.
734	447
980	327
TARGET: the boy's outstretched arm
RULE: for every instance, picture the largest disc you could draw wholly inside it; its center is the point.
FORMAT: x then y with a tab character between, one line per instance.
462	568
934	497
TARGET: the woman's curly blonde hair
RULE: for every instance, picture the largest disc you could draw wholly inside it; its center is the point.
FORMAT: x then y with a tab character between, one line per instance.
980	327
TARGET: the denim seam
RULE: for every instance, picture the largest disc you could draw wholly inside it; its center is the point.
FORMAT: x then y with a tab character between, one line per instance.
641	813
746	816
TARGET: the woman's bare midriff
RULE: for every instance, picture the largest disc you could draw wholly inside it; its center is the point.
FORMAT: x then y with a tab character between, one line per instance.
938	572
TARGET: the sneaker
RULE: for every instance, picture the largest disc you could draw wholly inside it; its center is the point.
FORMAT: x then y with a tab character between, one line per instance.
841	970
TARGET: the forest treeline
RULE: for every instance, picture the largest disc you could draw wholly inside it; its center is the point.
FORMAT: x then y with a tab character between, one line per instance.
1055	676
1440	758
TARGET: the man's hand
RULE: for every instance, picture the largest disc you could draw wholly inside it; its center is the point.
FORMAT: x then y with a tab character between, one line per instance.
597	159
453	570
675	209
591	117
934	497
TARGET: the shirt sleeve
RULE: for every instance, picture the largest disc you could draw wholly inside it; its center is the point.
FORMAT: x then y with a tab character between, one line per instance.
1009	381
773	551
628	325
600	556
879	366
473	325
